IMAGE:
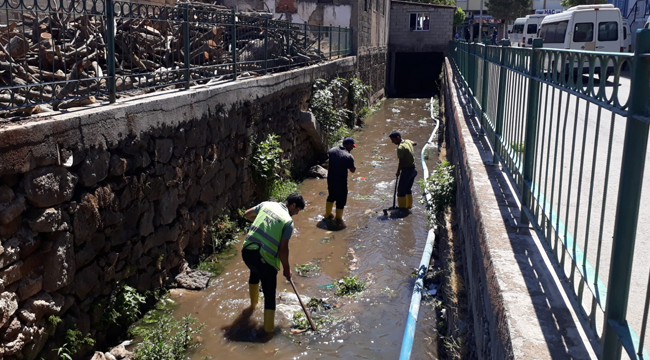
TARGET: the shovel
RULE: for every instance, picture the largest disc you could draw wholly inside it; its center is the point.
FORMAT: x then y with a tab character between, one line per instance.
394	197
313	327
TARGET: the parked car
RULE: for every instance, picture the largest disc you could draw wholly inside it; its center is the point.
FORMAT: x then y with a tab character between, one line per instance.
524	31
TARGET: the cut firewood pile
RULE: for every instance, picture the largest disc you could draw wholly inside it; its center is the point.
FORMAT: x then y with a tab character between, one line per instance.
56	60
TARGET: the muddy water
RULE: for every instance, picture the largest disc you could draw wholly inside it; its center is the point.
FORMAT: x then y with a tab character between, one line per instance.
386	252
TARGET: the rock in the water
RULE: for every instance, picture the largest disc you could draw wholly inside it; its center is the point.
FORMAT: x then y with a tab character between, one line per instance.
98	356
120	352
318	171
193	279
49	186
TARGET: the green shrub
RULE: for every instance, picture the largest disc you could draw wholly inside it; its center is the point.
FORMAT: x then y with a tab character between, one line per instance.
75	340
280	189
267	158
441	185
124	306
168	339
517	147
224	232
350	285
308	269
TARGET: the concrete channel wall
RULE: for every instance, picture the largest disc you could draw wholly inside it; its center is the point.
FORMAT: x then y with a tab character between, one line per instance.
517	307
126	192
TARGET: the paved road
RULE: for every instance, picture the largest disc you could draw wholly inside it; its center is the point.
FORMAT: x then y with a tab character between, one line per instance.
571	134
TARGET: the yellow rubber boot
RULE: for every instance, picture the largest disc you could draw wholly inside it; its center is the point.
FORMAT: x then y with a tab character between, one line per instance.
254	292
269	320
328	210
339	214
401	202
409	201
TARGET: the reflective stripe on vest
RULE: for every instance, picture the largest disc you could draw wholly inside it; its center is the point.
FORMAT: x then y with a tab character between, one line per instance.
266	231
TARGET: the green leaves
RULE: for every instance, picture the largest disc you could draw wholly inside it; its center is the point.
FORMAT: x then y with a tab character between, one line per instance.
124	306
441	185
169	339
349	285
508	9
267	158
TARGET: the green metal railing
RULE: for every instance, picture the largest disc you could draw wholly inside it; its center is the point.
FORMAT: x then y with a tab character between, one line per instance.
53	51
571	128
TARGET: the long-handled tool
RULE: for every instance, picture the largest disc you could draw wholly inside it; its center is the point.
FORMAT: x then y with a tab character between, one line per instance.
313	327
394	197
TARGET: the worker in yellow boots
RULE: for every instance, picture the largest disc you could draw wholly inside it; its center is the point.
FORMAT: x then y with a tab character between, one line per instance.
405	170
340	161
266	247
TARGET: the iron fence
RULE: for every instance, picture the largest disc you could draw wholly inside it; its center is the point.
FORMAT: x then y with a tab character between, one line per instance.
571	128
56	54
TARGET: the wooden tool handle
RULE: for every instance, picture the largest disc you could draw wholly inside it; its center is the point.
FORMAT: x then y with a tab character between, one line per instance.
313	327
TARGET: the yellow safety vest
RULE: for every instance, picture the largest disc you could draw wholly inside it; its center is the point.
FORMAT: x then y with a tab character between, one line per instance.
266	231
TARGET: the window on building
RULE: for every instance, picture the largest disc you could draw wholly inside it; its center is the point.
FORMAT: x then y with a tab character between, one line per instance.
554	33
419	22
608	31
583	32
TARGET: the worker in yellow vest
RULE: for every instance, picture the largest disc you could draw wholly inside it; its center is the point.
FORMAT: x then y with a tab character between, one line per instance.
405	169
266	247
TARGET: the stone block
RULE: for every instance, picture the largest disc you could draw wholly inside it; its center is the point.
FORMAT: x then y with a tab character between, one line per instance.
49	186
94	168
167	207
86	219
6	194
59	265
11	252
10	211
8	306
29	287
164	150
40	305
11	274
49	220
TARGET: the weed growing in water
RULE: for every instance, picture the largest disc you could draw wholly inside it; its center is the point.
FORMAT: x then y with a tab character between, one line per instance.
124	306
308	270
349	286
169	339
442	187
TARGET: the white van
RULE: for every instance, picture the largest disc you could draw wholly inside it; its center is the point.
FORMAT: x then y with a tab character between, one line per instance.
585	27
524	31
627	37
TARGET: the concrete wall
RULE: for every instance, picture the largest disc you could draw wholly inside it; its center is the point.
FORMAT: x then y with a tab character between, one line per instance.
437	39
126	193
370	41
517	307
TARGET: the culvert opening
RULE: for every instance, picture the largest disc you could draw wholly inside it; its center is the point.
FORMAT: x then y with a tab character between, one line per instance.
416	75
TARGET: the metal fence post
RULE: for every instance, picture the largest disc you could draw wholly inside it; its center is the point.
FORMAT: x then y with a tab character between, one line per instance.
486	82
110	49
186	43
330	41
338	45
531	127
306	35
629	197
319	39
470	70
266	45
234	45
498	129
289	39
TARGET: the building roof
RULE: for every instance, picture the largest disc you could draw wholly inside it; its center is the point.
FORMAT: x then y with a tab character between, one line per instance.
423	4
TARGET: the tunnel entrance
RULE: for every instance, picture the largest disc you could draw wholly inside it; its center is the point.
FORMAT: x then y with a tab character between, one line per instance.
414	74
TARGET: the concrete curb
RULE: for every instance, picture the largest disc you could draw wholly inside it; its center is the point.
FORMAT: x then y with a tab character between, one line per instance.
519	309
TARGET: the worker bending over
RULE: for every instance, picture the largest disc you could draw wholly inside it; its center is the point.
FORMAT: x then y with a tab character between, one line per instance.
266	246
405	169
337	179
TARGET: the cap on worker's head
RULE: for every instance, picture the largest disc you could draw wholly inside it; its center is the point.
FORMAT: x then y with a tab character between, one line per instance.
349	140
395	134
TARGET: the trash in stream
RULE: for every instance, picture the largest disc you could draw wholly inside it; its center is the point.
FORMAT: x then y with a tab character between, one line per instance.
322	193
353	261
326	240
310	269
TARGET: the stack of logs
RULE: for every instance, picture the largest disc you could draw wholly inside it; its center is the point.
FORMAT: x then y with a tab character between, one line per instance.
55	61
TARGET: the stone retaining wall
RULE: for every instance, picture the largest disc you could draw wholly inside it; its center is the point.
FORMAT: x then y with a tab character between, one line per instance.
125	193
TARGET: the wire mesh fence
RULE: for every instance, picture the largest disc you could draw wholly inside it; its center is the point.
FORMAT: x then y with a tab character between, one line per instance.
56	54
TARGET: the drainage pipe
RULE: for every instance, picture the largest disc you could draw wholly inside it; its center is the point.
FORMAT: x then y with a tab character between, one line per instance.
414	309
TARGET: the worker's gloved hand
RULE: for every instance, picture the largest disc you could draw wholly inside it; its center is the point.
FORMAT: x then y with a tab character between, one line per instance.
287	274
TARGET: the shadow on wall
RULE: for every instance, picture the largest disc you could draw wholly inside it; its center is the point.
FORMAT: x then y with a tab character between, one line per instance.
416	75
554	318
